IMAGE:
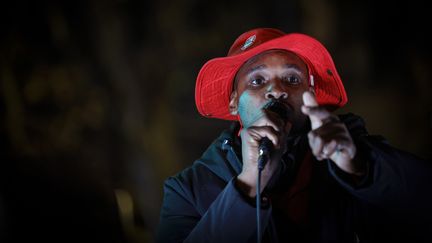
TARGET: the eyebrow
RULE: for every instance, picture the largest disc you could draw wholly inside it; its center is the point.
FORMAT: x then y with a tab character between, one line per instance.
262	66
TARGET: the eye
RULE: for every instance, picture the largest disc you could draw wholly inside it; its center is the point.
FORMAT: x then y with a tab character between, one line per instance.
292	79
258	81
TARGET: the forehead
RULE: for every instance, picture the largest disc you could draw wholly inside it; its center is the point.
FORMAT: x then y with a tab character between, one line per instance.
270	58
273	57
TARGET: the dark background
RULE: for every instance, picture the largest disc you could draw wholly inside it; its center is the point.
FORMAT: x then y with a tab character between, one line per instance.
97	98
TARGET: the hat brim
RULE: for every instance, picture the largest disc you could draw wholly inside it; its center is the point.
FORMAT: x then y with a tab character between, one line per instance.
215	79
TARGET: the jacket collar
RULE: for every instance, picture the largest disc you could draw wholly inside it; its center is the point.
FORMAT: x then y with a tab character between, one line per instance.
223	157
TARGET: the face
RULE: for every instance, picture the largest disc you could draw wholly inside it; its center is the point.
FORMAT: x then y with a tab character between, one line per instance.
274	74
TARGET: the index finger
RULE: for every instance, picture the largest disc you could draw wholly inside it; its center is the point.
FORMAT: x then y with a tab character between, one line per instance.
309	99
310	102
312	109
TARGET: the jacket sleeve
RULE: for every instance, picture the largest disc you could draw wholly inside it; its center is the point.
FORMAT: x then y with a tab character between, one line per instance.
229	218
396	181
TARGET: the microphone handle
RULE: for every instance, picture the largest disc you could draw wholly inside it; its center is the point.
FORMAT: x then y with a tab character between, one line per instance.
264	149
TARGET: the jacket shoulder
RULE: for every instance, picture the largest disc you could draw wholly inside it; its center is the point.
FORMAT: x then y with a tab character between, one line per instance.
197	185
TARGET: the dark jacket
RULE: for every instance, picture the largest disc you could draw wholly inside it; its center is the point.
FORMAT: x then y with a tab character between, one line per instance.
392	203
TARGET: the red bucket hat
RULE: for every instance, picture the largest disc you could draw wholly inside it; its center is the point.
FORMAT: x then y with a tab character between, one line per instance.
214	83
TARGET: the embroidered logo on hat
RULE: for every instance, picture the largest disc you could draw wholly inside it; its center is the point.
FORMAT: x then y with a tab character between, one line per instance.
248	42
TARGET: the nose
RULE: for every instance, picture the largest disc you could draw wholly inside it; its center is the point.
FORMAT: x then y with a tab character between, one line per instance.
275	92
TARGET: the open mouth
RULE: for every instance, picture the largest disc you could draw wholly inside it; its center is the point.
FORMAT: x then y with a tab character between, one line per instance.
278	107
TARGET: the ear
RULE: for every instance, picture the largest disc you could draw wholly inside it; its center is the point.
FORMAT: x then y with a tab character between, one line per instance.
233	104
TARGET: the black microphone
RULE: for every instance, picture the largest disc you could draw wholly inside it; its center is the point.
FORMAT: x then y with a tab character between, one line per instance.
265	145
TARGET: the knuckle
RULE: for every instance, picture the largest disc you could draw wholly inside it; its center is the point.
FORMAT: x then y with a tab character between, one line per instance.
311	134
332	119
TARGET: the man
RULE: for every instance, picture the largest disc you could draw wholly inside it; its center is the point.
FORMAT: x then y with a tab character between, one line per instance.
326	179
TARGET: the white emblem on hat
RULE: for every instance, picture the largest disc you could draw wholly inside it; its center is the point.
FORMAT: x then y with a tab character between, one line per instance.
248	42
311	80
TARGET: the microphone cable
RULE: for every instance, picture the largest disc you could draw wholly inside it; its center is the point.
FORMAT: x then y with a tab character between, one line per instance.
264	152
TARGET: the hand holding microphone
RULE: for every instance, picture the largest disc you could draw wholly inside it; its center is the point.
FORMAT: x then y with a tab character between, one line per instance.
264	136
265	145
